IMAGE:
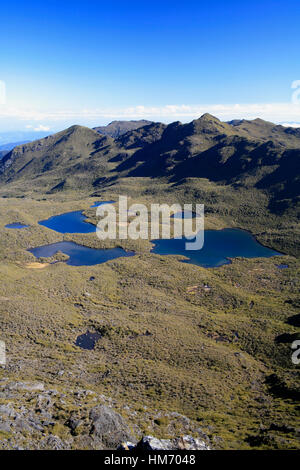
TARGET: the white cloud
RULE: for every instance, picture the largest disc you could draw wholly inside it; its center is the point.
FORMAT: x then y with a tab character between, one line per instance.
276	112
290	124
39	128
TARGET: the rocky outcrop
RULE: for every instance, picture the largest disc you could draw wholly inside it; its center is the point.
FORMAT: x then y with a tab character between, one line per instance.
29	420
108	427
150	443
26	386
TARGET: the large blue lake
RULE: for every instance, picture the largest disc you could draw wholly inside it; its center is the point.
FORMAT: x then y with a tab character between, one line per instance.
219	245
80	255
72	222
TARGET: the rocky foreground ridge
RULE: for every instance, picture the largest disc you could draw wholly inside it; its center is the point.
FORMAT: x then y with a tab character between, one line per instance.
33	417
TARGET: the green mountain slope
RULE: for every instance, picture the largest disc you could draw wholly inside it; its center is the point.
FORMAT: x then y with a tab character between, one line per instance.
260	129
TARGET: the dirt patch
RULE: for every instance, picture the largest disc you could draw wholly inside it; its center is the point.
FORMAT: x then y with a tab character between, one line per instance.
36	265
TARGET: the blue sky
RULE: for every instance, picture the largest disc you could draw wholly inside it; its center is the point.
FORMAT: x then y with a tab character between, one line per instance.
89	62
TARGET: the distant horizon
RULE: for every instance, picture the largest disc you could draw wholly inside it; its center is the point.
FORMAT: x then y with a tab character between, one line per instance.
19	135
239	113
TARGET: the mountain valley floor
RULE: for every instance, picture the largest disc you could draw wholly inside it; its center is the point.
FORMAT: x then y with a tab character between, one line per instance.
174	357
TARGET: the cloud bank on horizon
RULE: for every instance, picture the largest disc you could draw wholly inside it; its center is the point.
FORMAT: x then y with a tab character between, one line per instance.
287	114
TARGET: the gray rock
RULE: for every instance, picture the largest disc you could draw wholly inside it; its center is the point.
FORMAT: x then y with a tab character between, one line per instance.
74	423
7	410
152	443
5	426
183	443
191	443
21	425
53	443
43	402
27	386
108	427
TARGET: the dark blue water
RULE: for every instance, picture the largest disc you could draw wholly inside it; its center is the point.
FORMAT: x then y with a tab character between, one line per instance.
282	266
71	222
80	255
219	245
16	225
87	340
101	203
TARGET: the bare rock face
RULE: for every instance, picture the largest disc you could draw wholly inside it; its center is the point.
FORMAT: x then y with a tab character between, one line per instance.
108	427
149	443
26	386
53	443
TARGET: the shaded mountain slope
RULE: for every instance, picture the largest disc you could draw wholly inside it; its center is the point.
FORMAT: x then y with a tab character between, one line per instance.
70	153
3	153
264	130
142	136
117	128
177	143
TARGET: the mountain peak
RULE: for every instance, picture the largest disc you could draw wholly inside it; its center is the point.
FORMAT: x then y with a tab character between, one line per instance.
208	117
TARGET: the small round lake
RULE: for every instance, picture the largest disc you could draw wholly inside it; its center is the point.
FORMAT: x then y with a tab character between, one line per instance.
219	246
80	255
87	340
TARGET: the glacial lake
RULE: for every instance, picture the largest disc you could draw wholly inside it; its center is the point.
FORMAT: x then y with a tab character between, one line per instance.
72	222
219	245
16	226
80	255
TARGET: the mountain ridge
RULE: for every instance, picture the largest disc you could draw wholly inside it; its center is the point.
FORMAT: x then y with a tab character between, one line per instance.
244	154
117	128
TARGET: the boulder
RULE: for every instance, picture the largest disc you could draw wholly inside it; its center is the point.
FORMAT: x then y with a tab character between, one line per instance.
7	410
53	442
108	428
26	386
149	443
